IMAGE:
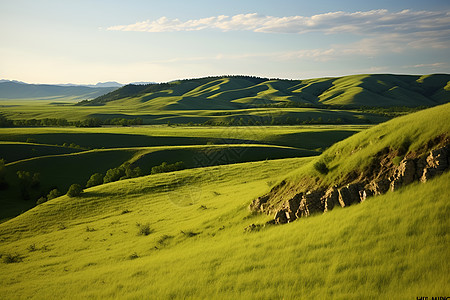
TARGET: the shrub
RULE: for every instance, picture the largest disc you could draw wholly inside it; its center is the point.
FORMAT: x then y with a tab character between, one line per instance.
189	233
165	167
41	200
321	167
75	190
96	179
32	248
53	194
11	258
144	229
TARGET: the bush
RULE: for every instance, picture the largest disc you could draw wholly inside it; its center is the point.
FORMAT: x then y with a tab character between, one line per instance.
144	229
96	179
165	167
11	258
53	194
321	167
41	200
75	190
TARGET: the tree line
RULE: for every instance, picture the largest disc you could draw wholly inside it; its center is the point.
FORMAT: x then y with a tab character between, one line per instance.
60	122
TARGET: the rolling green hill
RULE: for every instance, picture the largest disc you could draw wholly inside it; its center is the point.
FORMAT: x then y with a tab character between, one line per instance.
64	156
237	92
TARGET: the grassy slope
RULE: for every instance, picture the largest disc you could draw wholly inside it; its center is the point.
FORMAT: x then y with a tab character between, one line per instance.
392	246
355	153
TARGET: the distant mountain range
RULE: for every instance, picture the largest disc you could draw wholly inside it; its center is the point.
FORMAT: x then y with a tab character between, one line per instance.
238	92
13	89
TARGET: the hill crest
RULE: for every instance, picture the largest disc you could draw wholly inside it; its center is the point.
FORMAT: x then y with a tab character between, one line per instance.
237	92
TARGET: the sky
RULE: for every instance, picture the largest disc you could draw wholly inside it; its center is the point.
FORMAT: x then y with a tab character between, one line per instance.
85	42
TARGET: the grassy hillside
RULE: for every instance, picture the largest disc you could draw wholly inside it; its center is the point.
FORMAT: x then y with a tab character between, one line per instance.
245	92
357	158
98	246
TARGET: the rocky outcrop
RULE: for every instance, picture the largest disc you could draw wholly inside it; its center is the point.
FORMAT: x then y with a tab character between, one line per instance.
387	176
436	163
330	199
404	174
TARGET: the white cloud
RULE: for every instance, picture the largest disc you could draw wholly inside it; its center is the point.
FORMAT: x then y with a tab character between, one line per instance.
368	22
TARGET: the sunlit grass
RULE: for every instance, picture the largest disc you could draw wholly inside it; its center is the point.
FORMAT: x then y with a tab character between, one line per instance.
390	246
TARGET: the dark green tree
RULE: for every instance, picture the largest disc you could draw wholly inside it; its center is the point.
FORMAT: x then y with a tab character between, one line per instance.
75	190
95	179
53	194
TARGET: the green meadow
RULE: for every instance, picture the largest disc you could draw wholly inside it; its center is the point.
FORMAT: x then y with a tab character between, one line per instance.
169	216
67	155
182	235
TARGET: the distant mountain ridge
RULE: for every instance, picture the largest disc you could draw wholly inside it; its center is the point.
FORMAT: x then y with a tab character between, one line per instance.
21	90
237	92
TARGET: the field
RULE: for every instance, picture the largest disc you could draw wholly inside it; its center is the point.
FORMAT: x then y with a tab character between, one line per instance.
63	156
169	216
99	246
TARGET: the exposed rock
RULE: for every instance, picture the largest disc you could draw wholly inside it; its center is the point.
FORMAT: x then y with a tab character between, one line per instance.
281	217
349	194
256	204
436	163
378	178
310	203
379	186
364	194
404	174
292	207
330	199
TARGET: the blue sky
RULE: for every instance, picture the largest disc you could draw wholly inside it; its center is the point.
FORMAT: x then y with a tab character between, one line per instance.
126	41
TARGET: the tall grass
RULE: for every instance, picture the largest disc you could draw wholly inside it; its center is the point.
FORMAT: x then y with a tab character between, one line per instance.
392	246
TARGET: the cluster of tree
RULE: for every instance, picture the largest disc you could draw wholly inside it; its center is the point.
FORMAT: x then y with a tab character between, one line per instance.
266	121
90	122
74	190
54	193
165	167
124	171
123	122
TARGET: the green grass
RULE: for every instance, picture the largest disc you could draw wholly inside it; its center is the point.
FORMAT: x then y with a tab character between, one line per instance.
391	246
306	137
145	146
355	154
14	151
